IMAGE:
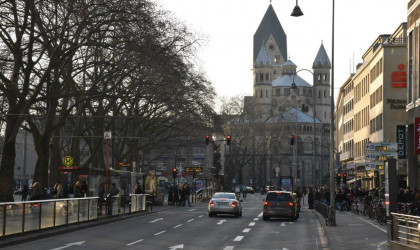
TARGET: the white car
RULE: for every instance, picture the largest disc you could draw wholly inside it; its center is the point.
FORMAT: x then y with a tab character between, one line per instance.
224	203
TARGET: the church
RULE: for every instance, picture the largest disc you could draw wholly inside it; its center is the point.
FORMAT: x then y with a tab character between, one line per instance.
284	107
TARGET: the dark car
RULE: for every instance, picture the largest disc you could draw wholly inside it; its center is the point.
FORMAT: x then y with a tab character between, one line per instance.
280	204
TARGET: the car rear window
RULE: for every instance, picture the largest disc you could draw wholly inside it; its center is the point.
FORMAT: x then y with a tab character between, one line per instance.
226	196
278	197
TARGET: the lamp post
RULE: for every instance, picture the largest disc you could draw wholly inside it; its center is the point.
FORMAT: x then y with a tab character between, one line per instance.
314	114
331	215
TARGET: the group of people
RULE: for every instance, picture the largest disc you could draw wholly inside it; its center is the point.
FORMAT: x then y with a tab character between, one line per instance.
179	196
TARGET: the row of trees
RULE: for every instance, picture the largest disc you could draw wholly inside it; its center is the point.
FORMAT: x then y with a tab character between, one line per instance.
78	68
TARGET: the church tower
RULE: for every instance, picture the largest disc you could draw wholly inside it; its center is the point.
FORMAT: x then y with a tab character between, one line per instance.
270	52
322	87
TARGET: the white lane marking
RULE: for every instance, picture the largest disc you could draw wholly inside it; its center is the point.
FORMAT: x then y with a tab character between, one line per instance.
256	218
282	224
381	244
200	216
229	248
190	220
356	224
177	226
161	232
176	247
322	236
191	210
252	224
221	222
158	219
79	243
260	214
383	230
290	223
238	238
135	242
246	230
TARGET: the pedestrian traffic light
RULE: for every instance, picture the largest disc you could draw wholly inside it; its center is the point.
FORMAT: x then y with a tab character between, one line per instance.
338	178
175	172
292	140
228	137
344	178
207	139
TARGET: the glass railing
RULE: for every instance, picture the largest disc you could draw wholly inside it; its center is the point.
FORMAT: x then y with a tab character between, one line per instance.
26	216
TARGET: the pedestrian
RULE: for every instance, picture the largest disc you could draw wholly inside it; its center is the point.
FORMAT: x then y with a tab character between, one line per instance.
311	198
25	191
182	196
77	190
171	196
176	196
84	189
36	192
114	191
187	193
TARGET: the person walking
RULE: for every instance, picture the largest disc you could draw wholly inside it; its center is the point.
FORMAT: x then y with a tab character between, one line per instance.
182	195
77	190
187	192
36	192
25	191
114	191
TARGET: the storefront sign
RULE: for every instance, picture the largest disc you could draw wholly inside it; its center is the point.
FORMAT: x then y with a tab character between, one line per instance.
396	103
417	135
401	141
399	78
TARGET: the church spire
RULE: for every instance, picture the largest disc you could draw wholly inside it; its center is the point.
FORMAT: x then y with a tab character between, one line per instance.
322	60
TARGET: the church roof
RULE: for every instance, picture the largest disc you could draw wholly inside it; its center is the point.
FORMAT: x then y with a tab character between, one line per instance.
321	59
286	80
294	115
289	63
263	57
270	24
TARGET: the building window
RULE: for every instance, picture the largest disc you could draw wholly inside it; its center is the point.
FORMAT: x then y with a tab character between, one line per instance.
319	77
261	77
324	76
319	94
266	93
266	76
277	92
287	91
261	94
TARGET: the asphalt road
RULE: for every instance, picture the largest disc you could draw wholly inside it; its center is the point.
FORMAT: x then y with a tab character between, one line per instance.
191	228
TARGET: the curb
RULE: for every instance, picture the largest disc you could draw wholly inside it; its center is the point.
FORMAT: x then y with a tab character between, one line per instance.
321	228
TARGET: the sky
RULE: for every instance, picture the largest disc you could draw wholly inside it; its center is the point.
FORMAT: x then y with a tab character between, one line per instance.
228	27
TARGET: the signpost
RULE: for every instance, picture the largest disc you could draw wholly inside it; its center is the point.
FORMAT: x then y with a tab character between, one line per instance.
377	153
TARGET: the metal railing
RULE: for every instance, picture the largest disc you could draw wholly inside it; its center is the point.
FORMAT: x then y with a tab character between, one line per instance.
26	216
406	229
204	193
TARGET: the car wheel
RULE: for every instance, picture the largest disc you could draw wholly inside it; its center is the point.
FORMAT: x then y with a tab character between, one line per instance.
210	214
266	218
240	214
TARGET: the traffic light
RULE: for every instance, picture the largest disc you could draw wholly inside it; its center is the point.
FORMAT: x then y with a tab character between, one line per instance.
344	178
175	172
207	139
338	178
292	140
228	139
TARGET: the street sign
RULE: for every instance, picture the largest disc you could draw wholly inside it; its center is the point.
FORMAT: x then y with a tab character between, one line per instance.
194	169
380	156
381	146
68	161
107	135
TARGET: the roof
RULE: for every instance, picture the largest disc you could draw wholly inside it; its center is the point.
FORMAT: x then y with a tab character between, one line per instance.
270	24
289	63
294	115
322	60
263	57
287	79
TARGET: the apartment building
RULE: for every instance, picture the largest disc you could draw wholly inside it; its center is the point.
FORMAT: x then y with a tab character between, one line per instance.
373	102
413	92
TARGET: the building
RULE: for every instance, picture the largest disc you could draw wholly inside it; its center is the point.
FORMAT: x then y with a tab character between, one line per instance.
284	105
413	92
371	103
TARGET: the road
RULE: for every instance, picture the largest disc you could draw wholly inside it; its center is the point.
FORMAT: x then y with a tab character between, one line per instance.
191	228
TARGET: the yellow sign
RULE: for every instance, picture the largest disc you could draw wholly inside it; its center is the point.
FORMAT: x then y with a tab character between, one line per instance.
68	161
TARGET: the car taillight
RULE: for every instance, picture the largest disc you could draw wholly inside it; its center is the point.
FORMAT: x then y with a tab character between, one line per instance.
234	204
211	203
266	203
291	204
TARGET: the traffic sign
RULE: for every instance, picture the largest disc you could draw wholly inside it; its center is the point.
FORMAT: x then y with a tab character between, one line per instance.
68	161
193	169
380	156
381	146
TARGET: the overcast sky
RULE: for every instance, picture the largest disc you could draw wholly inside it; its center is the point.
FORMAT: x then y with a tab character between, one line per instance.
230	25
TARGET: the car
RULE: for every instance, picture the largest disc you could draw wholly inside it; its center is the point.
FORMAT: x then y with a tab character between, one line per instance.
224	203
249	189
280	204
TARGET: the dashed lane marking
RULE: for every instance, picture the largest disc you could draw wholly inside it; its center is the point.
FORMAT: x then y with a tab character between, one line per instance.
135	242
256	218
191	210
200	216
161	232
229	248
282	224
246	230
177	226
238	238
190	220
260	214
252	224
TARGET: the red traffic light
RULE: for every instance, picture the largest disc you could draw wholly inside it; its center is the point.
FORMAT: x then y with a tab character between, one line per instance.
228	137
344	175
175	170
207	139
339	175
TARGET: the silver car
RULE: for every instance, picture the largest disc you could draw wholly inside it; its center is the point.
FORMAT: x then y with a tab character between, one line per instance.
224	203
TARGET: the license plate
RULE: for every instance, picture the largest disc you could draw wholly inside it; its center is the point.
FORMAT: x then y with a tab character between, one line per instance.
223	203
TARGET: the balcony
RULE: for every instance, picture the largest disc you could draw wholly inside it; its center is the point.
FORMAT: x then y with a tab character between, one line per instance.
346	156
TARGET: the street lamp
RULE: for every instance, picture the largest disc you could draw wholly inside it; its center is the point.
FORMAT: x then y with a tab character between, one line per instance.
314	133
331	215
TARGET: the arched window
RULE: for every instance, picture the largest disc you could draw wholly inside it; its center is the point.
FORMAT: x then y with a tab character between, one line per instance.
307	145
319	77
325	94
324	77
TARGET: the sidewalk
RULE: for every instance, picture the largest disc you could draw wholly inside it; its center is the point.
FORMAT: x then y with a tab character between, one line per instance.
353	232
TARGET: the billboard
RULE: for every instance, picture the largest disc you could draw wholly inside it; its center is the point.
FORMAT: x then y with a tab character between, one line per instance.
417	135
286	183
401	141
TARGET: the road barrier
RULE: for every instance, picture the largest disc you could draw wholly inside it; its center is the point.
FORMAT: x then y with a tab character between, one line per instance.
204	193
26	216
406	230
